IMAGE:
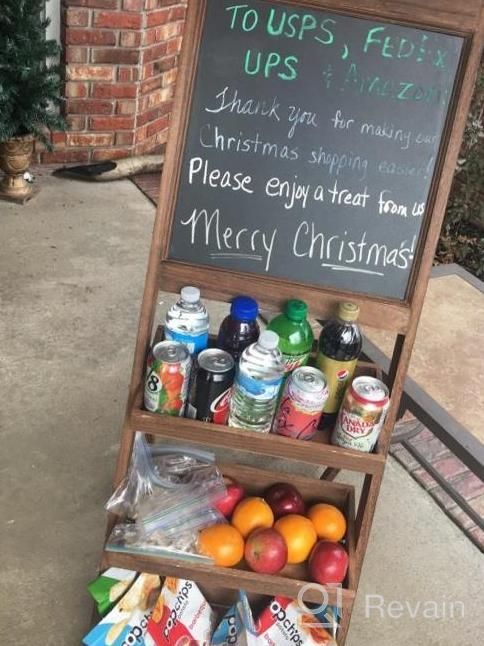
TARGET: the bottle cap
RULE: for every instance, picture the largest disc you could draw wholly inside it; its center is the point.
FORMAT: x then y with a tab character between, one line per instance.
244	308
296	310
269	340
348	311
190	294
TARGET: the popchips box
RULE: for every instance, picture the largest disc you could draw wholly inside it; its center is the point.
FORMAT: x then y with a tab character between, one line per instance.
237	626
109	587
181	617
126	624
284	622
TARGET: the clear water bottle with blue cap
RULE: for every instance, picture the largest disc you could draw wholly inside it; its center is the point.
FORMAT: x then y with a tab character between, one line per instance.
257	384
240	328
187	321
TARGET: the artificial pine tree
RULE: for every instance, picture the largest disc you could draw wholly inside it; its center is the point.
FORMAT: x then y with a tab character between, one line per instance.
29	72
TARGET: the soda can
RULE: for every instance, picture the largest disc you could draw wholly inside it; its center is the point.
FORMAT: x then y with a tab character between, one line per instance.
213	386
301	405
167	378
362	414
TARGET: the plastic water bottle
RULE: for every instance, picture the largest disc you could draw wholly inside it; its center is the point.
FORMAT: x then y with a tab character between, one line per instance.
187	321
257	384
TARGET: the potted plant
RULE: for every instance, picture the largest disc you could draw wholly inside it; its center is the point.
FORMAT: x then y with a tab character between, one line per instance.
30	87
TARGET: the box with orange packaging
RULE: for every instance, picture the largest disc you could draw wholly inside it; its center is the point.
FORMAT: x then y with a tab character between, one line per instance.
263	381
180	615
175	503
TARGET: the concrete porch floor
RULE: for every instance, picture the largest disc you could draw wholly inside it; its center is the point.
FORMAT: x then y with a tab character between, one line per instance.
72	268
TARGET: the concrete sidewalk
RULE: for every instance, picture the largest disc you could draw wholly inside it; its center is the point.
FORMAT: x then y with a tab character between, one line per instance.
71	275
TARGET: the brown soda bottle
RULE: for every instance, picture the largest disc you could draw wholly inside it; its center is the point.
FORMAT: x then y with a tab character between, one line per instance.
338	351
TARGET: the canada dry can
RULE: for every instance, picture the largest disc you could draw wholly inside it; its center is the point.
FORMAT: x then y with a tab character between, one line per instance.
213	385
361	415
302	403
167	377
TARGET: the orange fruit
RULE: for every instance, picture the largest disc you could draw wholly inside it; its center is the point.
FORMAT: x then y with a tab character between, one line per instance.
252	513
328	522
299	534
223	543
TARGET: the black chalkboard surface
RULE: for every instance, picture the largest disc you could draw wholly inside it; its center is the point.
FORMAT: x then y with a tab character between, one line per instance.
311	145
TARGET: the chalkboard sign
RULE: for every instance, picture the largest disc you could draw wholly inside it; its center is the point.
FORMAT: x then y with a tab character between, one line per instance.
311	145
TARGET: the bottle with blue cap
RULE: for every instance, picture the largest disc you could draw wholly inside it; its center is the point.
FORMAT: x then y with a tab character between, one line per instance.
240	328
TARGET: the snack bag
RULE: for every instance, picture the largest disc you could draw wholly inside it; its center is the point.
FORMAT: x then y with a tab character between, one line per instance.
109	587
181	616
284	622
237	626
127	621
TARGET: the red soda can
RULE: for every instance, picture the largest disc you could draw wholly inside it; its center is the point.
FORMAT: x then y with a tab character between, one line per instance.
213	386
167	377
362	414
302	403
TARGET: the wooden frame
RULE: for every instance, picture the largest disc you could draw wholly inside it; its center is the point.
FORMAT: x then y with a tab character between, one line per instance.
400	317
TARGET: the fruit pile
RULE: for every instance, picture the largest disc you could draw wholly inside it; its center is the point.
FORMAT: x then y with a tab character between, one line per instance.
272	531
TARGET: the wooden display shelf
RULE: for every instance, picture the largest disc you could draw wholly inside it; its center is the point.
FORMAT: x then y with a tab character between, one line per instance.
316	451
292	580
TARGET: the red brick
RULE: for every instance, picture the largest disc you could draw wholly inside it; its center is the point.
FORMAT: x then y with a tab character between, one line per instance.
169	78
151	84
75	122
111	123
65	156
127	106
173	46
449	467
89	73
469	486
77	17
115	56
76	90
94	4
117	20
178	13
111	153
148	71
90	37
127	74
170	30
477	535
165	64
58	138
133	5
76	54
130	39
89	107
85	140
124	138
113	91
149	36
157	17
156	51
158	125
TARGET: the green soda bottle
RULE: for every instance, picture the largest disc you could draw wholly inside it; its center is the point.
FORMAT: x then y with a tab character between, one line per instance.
295	335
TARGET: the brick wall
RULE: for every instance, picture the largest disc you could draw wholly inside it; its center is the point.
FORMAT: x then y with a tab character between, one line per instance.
121	61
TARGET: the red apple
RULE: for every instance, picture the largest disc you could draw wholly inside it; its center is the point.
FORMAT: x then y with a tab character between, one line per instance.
283	498
328	563
265	551
234	494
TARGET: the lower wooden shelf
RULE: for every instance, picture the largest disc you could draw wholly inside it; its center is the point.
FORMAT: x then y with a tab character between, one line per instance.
291	582
316	451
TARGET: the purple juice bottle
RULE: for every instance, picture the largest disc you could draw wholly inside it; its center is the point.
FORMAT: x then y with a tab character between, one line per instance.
240	328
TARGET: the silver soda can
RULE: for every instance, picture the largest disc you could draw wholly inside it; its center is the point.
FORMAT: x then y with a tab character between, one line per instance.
301	404
362	414
167	378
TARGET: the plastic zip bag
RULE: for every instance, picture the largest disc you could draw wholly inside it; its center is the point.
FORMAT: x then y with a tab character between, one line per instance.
154	466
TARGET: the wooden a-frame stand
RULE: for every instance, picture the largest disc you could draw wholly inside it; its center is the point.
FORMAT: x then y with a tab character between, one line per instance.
464	19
